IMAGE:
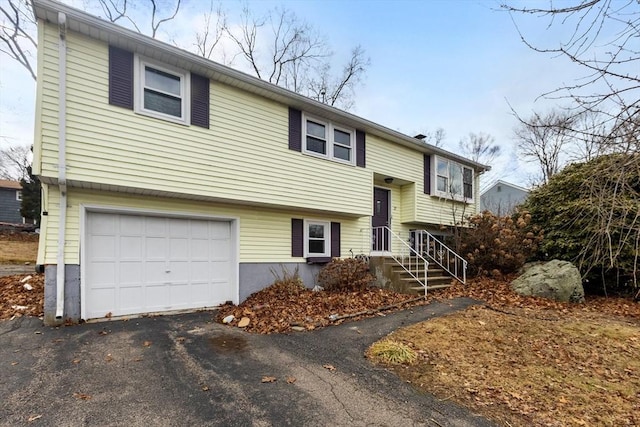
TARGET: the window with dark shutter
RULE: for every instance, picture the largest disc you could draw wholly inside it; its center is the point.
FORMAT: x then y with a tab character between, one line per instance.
199	101
335	239
297	237
295	129
427	174
467	183
120	77
361	149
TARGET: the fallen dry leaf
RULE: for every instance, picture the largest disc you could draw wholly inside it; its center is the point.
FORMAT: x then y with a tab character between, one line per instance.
108	358
76	361
244	322
108	315
33	418
205	387
147	343
329	367
269	379
14	363
291	380
82	396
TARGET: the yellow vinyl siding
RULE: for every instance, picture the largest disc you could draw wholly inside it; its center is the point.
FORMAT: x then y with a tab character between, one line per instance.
408	165
243	157
265	234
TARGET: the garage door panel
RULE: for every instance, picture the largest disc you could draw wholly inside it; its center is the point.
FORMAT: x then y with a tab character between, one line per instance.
178	249
104	248
137	264
220	230
155	248
155	226
199	250
130	297
131	248
131	225
178	227
103	274
130	273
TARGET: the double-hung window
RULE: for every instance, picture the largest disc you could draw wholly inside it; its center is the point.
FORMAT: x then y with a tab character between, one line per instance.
162	92
325	139
453	180
317	238
18	195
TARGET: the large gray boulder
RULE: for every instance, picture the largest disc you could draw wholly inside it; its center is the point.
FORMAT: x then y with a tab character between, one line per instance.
556	280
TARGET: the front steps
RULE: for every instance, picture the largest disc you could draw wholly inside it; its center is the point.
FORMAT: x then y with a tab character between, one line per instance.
391	275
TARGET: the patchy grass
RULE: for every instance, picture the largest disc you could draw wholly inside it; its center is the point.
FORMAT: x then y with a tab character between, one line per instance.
524	368
17	252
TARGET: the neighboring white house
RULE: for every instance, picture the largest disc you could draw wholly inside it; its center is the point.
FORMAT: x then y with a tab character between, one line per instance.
502	197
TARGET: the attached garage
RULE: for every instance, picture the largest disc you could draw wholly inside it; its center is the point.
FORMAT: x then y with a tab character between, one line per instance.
142	263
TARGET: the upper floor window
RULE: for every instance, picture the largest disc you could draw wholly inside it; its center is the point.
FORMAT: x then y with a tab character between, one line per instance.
325	139
18	195
453	180
162	91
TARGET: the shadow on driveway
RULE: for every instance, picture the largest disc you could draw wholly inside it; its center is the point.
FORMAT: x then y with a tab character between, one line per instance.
186	370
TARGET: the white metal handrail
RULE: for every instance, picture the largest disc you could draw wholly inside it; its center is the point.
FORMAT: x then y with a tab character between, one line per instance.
441	254
411	261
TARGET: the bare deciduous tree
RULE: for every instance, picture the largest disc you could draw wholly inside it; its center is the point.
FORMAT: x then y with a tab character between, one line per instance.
14	162
435	137
17	34
542	139
479	147
284	50
115	10
214	28
604	43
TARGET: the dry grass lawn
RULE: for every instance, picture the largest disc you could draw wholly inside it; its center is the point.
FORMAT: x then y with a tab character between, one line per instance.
18	248
524	368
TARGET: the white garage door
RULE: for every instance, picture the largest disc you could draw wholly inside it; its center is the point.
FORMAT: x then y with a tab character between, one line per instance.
143	264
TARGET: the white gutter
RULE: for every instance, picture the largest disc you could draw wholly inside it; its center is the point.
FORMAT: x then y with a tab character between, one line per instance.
62	173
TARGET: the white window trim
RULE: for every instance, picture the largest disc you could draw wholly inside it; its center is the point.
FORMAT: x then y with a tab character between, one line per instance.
138	86
447	194
329	127
19	195
327	238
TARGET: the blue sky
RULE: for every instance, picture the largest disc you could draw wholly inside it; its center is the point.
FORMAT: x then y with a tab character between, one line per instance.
451	64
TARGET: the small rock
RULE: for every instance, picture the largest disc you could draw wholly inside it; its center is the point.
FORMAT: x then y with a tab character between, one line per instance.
19	307
28	287
317	288
25	279
244	322
333	317
298	328
228	319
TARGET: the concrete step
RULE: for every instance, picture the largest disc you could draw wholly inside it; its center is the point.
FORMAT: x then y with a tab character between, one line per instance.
438	280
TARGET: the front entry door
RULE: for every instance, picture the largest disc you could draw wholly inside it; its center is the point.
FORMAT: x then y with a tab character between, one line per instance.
380	219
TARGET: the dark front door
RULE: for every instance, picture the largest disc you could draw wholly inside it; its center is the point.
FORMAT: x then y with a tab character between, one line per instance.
380	219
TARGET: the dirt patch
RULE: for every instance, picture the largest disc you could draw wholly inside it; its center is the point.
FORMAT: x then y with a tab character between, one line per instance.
17	300
526	371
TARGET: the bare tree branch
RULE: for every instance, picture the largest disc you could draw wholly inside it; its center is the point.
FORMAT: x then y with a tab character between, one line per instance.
208	39
14	162
479	147
17	25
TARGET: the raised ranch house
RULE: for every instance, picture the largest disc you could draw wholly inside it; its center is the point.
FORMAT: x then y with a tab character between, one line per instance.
171	182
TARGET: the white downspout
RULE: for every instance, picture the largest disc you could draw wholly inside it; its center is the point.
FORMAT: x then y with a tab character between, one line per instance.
62	175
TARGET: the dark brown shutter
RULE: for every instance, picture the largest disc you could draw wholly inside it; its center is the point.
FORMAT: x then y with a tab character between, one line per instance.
361	149
199	101
427	174
295	129
297	238
335	239
467	183
120	77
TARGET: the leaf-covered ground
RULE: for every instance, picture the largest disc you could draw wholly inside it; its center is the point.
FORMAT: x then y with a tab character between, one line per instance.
17	300
526	361
278	309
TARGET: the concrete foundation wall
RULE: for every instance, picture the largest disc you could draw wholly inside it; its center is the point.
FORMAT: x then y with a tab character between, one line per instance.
253	277
257	276
71	294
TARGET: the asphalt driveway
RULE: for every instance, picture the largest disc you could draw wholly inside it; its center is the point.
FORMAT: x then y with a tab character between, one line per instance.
185	370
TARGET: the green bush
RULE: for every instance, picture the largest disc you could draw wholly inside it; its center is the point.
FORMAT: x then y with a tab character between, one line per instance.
590	213
347	274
